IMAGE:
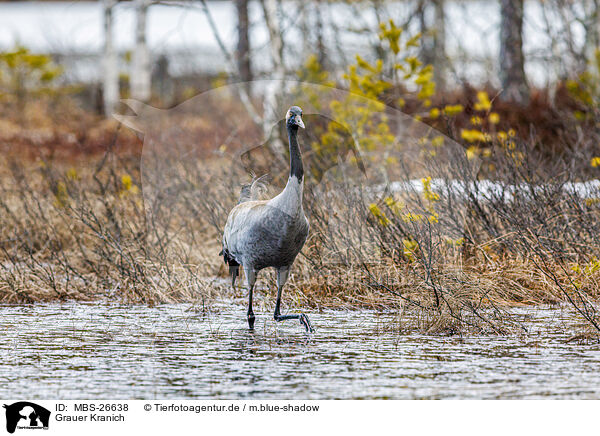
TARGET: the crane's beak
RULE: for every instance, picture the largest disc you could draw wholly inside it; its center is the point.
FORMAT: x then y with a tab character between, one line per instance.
298	121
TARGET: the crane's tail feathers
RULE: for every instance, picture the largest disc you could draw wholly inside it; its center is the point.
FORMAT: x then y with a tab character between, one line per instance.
228	258
254	190
234	271
234	266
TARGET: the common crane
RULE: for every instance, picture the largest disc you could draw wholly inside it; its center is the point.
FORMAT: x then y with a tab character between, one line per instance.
271	233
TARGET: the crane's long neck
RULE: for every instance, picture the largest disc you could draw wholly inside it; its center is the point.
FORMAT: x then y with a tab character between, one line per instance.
296	168
290	199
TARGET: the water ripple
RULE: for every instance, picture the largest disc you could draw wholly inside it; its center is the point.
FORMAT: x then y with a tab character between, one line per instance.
76	351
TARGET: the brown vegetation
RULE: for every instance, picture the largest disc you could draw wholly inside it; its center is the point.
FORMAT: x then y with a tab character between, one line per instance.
75	225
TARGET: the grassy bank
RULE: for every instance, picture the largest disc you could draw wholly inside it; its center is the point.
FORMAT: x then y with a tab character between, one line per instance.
84	230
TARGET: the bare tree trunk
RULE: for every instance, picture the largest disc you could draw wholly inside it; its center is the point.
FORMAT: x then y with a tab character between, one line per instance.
140	68
310	25
110	78
303	26
162	82
322	57
274	90
276	41
426	43
512	62
243	94
243	45
433	43
439	46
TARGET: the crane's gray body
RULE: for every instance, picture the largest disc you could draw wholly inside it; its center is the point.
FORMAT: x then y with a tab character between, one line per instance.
262	234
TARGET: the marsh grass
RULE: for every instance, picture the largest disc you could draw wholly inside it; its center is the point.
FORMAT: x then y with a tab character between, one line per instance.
87	225
84	231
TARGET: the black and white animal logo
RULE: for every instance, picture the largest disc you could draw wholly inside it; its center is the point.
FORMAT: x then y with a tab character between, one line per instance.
26	415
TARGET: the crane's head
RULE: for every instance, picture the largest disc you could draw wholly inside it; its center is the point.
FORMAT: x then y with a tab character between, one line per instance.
294	117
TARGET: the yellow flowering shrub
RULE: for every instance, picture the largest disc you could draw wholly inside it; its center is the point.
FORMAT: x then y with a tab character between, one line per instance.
377	213
61	195
483	102
127	186
452	109
427	192
410	247
586	88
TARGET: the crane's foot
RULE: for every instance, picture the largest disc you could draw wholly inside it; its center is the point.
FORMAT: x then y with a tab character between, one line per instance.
299	316
306	323
251	319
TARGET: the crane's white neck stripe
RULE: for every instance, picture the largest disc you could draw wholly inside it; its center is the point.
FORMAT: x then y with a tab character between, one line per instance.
290	199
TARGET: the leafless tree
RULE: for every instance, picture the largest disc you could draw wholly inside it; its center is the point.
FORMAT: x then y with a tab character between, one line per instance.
244	97
272	92
243	43
140	67
275	39
433	43
110	78
439	45
321	54
512	61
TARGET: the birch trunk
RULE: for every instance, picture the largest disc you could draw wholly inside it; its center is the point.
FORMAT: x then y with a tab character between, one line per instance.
276	41
433	41
439	46
512	62
139	79
110	78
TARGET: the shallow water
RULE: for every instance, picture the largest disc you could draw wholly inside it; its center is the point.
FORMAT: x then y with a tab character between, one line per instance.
77	351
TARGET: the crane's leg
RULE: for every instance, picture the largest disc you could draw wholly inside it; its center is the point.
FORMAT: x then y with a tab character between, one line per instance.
250	280
282	275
